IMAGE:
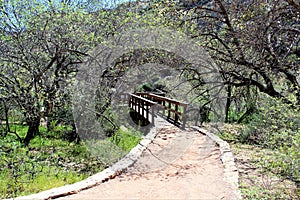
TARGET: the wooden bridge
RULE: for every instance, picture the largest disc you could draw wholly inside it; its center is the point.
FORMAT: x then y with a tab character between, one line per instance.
147	105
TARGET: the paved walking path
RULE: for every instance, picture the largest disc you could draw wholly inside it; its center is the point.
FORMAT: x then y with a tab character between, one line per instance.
176	165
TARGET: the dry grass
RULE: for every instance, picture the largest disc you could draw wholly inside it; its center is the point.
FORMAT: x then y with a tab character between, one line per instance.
256	179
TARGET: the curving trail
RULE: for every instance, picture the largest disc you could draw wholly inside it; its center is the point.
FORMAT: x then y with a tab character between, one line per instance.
176	165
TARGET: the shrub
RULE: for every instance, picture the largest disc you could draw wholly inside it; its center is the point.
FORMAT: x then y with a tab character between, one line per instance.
277	126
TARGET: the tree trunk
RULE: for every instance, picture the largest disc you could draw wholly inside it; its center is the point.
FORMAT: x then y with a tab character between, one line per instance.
33	130
228	103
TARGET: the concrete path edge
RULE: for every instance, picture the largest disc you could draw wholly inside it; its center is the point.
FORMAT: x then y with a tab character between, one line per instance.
231	174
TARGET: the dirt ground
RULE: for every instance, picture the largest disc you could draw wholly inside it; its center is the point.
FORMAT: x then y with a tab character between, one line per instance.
176	165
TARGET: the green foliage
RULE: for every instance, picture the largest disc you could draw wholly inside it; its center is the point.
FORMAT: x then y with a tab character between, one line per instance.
233	115
271	183
228	136
275	129
44	164
276	123
255	193
259	177
26	174
277	126
145	87
50	161
126	139
107	119
59	131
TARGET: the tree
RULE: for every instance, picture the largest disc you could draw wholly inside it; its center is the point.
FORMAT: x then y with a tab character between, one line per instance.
41	45
255	43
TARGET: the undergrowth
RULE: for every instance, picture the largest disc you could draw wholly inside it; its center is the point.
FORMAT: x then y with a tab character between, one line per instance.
273	138
50	160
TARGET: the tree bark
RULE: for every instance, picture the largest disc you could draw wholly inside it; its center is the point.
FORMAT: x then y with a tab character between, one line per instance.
228	103
33	130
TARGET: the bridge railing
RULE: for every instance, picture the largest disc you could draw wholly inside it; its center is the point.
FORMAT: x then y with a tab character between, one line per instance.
143	106
175	110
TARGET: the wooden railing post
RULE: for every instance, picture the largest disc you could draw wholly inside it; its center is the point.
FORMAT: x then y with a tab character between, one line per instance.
176	115
169	110
152	113
137	103
143	108
184	116
147	111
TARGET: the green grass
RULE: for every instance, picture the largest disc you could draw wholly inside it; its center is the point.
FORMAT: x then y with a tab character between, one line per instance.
112	149
126	139
51	161
45	179
43	165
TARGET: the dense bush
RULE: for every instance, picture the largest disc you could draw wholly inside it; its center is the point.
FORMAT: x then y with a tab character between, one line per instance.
52	161
44	164
277	126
